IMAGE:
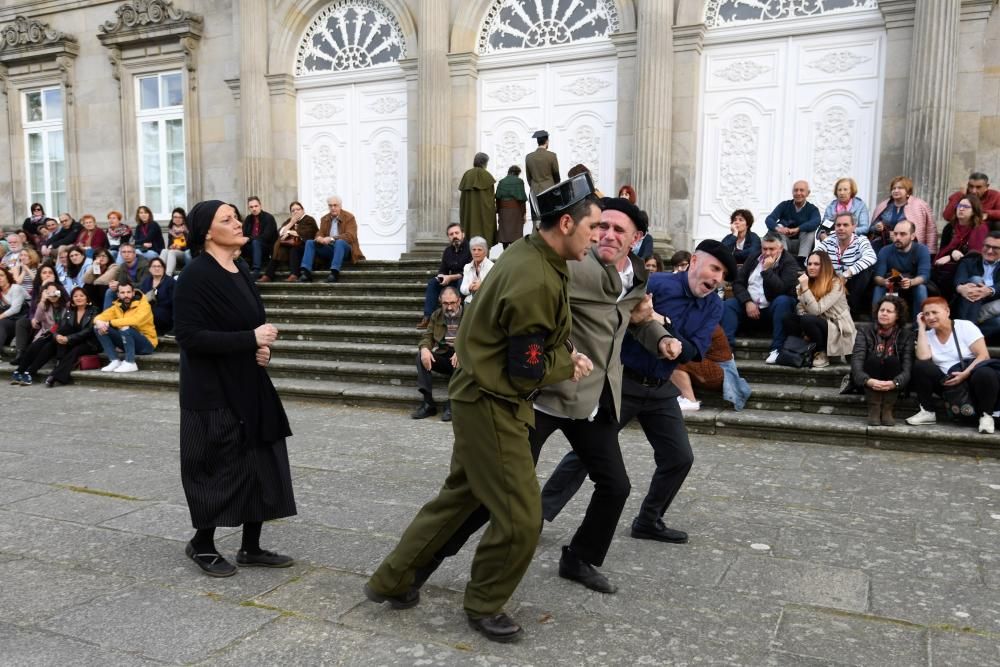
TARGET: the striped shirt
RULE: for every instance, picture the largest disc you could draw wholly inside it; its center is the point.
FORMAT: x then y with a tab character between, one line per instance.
858	256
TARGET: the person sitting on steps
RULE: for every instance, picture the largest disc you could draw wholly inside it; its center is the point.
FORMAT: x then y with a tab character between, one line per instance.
883	359
822	315
453	260
436	352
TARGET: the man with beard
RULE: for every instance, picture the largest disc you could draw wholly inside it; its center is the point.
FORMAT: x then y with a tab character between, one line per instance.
903	268
126	324
453	260
436	352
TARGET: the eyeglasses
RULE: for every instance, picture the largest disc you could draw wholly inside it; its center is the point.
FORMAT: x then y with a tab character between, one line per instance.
964	206
989	247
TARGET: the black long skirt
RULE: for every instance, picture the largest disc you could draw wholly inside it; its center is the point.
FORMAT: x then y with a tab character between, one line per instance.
226	481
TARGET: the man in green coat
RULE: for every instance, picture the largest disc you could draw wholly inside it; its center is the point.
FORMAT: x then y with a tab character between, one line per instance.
515	340
541	167
477	211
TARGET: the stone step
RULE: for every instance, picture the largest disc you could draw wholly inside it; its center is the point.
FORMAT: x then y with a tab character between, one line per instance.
354	332
319	288
364	318
370	276
333	351
337	299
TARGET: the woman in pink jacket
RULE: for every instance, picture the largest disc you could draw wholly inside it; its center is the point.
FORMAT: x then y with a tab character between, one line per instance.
902	205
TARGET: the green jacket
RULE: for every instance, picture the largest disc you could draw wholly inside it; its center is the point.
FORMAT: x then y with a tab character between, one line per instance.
524	296
599	324
511	187
541	167
433	338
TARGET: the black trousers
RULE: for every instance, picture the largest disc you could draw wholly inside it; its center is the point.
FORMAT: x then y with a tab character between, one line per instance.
984	383
441	364
663	423
596	443
859	298
294	262
812	327
38	353
883	369
67	356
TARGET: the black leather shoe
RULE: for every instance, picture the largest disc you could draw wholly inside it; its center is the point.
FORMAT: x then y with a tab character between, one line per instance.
574	569
212	564
497	628
424	411
407	600
332	278
263	559
446	413
658	532
305	277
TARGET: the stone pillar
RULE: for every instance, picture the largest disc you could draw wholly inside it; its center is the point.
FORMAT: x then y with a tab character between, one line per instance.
433	200
688	40
899	17
255	102
930	117
653	114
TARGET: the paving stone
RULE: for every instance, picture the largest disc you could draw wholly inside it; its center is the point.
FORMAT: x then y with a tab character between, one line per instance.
43	470
161	624
28	646
936	603
690	564
128	479
352	513
320	593
958	648
981	537
171	522
76	506
59	541
12	490
33	590
798	581
851	638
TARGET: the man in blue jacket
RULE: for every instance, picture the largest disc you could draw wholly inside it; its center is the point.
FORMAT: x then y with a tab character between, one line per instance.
904	267
976	283
795	221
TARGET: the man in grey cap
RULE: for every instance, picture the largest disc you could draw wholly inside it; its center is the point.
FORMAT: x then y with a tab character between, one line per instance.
541	167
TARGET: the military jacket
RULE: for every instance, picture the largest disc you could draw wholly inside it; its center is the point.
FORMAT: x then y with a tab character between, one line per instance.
542	169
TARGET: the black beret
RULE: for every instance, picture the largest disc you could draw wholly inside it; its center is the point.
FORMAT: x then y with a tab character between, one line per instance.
721	253
623	205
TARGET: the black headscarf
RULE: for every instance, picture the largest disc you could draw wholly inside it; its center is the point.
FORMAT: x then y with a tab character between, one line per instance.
199	221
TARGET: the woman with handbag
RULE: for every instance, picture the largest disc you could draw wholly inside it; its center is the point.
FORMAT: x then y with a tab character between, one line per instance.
74	337
883	359
42	348
954	363
292	236
822	314
965	234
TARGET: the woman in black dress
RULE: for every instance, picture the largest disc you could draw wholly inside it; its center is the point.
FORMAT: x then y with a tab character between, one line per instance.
234	463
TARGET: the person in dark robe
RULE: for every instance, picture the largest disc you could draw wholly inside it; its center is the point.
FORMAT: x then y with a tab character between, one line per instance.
511	207
234	461
477	210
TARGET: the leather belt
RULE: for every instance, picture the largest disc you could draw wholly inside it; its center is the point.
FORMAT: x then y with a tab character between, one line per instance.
644	380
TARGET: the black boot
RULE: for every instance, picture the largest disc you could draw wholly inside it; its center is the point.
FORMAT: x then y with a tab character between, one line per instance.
874	399
305	276
426	409
332	278
446	413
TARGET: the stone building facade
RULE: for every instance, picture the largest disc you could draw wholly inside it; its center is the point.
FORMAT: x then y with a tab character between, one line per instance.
702	106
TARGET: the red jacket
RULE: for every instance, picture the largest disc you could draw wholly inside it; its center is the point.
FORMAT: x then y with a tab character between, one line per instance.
98	239
990	202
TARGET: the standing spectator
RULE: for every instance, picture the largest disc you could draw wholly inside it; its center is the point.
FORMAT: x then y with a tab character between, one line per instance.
127	324
177	233
627	192
262	230
13	306
336	240
77	265
845	200
853	260
74	338
961	236
654	264
103	270
292	236
91	237
541	167
475	271
903	268
118	232
147	236
795	221
44	320
158	288
742	242
978	185
66	235
453	260
24	271
436	352
822	315
976	281
883	359
477	203
511	202
902	205
34	221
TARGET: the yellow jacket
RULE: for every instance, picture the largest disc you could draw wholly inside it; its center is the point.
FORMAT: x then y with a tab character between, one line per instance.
139	316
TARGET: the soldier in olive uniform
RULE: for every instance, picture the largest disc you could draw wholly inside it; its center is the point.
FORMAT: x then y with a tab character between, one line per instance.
541	167
514	340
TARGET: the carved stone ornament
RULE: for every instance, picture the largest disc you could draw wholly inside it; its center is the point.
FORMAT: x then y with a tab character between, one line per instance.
833	155
510	150
386	104
510	92
585	148
350	35
324	111
742	71
838	62
325	175
527	24
722	13
386	184
737	161
586	86
23	31
139	14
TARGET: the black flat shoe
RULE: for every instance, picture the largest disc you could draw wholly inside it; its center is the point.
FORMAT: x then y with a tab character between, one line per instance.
659	533
407	600
497	628
446	413
332	278
263	559
574	569
214	565
424	411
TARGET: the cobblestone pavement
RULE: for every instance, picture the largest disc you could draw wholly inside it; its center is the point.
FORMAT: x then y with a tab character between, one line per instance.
800	554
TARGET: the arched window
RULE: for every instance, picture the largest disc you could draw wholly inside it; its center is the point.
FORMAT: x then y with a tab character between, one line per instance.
350	35
720	13
528	24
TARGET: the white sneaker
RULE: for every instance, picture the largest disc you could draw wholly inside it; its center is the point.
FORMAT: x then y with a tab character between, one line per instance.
922	417
688	406
127	367
820	360
772	358
986	424
115	363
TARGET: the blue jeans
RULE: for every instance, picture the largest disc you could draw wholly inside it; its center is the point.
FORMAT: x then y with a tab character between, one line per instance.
259	253
915	296
130	340
431	296
734	314
335	252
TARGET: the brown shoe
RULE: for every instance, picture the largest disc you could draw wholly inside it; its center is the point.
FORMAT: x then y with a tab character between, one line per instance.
264	279
874	400
424	323
292	278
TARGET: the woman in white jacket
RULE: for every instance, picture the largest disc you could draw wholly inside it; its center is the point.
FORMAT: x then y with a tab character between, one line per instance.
476	270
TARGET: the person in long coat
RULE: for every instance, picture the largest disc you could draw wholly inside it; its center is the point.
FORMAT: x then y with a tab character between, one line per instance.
477	210
511	207
234	461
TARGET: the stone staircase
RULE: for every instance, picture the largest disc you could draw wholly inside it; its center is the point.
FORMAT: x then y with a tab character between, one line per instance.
355	342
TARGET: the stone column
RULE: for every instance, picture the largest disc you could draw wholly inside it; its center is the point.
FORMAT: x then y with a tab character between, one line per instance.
930	117
653	111
255	102
433	200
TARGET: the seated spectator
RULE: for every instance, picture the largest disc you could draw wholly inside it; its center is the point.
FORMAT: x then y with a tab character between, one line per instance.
654	264
24	329
65	236
118	232
103	270
147	237
961	236
35	221
822	315
45	234
77	265
177	233
883	358
24	271
132	268
680	261
581	168
12	257
643	248
989	199
453	260
795	221
158	288
127	324
74	338
709	373
627	192
976	284
903	267
47	315
292	236
845	200
763	293
262	230
436	352
902	205
853	261
91	237
948	354
336	240
13	306
475	271
742	242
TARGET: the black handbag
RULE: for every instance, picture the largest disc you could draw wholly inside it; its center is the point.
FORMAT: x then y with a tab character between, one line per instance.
958	399
796	353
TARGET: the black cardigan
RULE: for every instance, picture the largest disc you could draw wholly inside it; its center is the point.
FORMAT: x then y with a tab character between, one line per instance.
780	279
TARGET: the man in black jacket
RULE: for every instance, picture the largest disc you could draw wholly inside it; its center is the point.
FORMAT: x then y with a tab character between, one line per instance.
453	260
976	282
764	292
66	235
262	230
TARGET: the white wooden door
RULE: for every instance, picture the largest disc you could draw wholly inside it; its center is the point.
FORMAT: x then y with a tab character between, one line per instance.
352	143
776	111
